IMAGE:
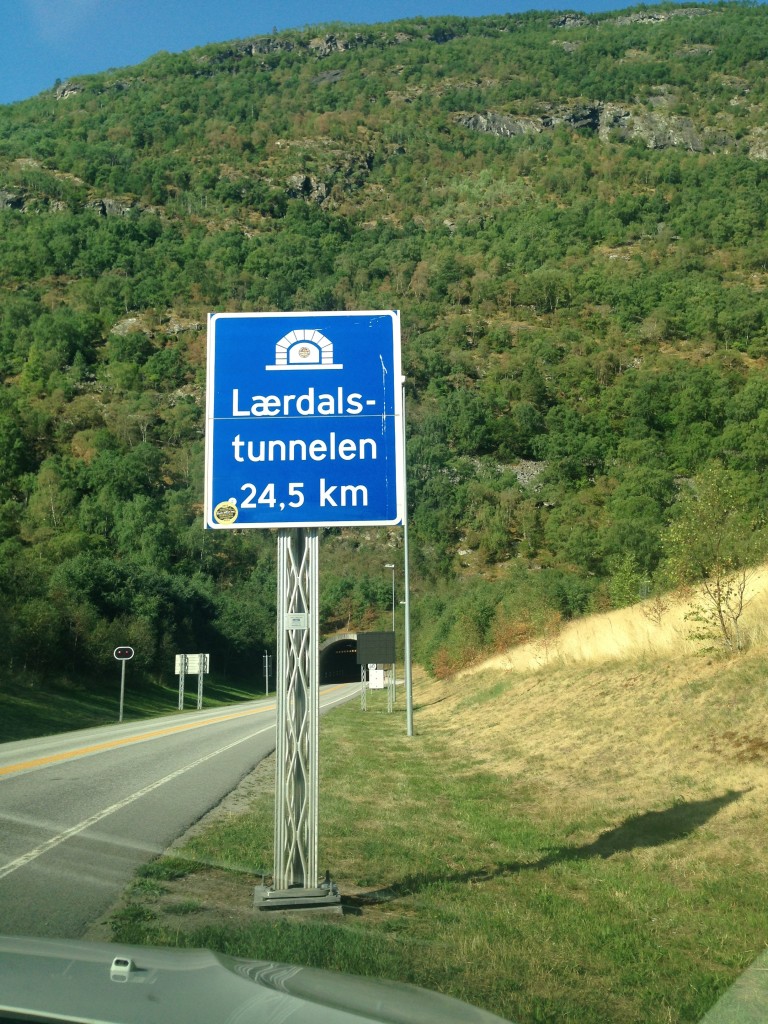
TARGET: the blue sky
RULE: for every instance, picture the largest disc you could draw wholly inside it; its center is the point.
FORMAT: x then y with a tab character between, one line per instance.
45	40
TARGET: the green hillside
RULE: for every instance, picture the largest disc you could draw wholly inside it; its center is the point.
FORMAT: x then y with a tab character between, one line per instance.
568	210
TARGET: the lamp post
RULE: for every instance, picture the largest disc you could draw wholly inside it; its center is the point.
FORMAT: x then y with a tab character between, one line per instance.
407	589
391	566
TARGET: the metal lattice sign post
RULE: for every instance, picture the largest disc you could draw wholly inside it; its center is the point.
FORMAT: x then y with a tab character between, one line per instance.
296	796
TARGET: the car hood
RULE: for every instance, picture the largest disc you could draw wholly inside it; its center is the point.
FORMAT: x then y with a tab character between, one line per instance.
101	983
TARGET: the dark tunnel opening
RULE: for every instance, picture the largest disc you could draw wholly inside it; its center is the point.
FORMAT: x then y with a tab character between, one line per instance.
338	662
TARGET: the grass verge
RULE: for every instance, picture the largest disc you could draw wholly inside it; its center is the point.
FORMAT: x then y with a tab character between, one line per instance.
574	847
30	711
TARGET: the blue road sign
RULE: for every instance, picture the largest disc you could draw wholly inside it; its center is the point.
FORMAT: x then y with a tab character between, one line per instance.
304	421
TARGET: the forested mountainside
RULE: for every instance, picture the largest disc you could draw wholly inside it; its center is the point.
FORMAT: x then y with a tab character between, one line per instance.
568	210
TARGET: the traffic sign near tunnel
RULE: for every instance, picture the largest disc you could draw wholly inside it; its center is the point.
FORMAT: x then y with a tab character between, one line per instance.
304	422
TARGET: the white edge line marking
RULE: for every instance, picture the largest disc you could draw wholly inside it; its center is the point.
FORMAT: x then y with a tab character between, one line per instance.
56	840
27	858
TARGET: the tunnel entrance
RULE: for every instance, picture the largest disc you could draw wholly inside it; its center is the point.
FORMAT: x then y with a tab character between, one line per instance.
338	660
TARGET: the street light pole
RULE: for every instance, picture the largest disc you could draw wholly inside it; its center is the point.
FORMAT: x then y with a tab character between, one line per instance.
407	588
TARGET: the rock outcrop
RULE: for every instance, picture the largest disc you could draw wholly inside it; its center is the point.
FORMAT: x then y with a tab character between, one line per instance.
111	207
307	186
505	125
11	200
349	175
67	89
614	122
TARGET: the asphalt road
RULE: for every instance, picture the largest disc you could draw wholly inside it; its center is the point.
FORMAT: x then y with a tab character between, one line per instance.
79	812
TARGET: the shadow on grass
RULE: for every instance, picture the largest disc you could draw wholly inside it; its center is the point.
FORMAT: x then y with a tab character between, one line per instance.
653	828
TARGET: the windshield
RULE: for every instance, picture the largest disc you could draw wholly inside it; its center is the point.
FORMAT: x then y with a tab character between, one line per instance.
382	510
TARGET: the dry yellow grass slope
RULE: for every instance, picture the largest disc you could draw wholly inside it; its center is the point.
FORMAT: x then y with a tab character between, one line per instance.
621	716
638	631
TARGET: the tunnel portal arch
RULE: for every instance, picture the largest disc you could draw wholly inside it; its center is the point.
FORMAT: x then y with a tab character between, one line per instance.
338	659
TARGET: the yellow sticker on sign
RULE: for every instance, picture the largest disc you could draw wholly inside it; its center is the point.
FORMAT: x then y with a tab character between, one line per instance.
226	511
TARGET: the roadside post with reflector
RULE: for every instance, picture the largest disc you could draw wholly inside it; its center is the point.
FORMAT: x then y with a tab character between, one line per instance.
122	654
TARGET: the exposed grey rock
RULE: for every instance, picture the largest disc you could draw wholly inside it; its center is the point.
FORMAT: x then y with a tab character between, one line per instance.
307	186
659	130
328	77
177	324
696	50
11	200
526	471
613	118
111	207
268	45
130	325
251	48
585	115
66	89
326	45
503	125
570	21
612	122
506	125
661	96
758	144
655	17
117	207
347	174
262	46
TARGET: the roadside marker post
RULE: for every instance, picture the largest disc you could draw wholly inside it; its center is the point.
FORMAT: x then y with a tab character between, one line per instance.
122	654
181	672
202	669
267	671
304	429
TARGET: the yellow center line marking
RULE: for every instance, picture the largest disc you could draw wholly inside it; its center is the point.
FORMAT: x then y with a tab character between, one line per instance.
95	748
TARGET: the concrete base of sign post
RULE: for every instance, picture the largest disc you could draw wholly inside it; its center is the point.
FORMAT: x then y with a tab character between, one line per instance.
325	897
